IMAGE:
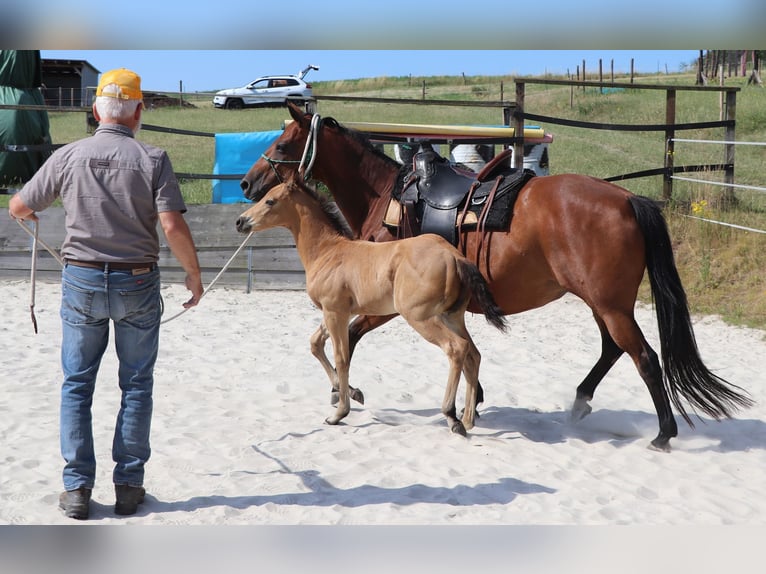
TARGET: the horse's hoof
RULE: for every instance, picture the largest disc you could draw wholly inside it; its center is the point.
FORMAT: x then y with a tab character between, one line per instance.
580	410
660	445
357	395
331	421
458	428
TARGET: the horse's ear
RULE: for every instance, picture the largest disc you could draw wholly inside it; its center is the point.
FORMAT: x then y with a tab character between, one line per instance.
297	114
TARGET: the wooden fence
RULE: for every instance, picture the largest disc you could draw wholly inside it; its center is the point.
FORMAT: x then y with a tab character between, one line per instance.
268	261
271	261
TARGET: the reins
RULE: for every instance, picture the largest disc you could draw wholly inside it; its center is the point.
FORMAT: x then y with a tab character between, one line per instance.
33	278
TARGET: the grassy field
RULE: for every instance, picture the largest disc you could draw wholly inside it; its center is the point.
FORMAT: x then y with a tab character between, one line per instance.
723	269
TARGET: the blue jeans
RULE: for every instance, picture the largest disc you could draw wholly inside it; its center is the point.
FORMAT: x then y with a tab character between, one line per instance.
90	298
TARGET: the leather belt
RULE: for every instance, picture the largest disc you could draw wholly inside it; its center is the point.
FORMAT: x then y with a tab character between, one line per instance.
136	268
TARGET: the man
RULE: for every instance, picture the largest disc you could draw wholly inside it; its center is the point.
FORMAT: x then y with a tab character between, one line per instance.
113	189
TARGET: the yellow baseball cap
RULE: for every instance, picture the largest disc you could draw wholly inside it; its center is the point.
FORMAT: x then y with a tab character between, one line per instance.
129	84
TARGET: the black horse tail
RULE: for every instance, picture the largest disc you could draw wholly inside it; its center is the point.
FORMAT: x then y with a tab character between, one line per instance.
479	290
684	371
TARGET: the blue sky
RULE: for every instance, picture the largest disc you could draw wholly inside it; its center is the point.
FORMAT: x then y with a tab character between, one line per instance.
203	70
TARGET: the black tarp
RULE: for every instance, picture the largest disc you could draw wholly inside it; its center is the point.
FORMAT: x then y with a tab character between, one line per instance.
25	130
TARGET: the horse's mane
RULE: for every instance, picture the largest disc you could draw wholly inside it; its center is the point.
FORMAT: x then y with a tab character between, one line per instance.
359	137
364	141
330	209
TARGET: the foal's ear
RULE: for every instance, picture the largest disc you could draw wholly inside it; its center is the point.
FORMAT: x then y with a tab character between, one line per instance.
292	180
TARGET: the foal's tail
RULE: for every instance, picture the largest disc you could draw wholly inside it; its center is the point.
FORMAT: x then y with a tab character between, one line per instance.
684	372
472	278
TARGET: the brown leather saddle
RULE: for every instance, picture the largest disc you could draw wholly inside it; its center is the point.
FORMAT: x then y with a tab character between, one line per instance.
438	197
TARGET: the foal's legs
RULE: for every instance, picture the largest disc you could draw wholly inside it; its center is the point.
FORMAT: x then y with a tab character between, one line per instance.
471	373
337	326
471	363
318	341
436	331
363	324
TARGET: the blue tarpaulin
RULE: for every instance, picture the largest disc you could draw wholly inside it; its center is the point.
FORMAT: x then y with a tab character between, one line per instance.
234	155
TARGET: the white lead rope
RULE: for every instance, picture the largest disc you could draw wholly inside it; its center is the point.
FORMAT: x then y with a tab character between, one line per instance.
213	282
34	234
36	240
33	274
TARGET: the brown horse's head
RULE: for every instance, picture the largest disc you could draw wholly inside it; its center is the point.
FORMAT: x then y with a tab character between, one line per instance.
280	159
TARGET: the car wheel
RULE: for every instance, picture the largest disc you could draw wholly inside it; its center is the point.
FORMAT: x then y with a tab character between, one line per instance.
234	104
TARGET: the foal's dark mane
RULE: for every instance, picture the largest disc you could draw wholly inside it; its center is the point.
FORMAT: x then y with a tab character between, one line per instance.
330	209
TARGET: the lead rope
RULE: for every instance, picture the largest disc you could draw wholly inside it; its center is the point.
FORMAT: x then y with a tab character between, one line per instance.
33	274
213	282
58	258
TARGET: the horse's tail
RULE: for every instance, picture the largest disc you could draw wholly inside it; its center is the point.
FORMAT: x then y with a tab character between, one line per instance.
474	281
684	371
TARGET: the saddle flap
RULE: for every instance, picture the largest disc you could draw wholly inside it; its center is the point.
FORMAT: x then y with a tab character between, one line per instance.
439	185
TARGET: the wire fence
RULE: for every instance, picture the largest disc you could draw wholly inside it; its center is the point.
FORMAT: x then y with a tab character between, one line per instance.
721	183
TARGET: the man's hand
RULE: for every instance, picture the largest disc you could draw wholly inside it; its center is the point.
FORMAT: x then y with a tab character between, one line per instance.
195	286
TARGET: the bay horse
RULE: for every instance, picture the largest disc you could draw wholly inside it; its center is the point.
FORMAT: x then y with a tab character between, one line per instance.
570	233
424	279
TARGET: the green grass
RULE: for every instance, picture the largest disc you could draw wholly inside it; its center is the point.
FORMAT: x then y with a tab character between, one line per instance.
722	268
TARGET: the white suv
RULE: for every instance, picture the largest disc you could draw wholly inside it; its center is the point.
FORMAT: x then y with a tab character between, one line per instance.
267	91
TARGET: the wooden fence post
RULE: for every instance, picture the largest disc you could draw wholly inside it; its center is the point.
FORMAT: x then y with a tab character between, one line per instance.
670	133
729	198
518	128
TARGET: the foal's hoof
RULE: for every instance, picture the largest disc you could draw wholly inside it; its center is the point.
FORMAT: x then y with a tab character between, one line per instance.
357	395
580	410
458	428
476	414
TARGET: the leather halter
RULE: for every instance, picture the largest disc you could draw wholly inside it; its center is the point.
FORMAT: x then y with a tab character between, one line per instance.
308	152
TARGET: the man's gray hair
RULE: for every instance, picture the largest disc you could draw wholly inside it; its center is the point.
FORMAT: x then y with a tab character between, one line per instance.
115	108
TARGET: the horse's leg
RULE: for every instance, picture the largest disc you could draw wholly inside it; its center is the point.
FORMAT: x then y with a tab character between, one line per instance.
337	326
610	352
318	341
434	330
628	336
363	324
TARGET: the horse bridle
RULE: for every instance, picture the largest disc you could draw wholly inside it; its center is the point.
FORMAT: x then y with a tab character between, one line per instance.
308	152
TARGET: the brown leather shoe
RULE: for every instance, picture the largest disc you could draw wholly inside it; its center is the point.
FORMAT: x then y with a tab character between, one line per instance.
76	503
128	498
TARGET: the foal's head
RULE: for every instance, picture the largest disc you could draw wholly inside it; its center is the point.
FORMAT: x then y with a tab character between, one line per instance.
278	208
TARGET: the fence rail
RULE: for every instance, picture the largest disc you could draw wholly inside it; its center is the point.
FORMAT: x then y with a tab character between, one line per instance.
269	261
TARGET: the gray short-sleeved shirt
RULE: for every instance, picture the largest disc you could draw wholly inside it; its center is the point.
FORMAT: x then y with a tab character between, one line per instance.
112	187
